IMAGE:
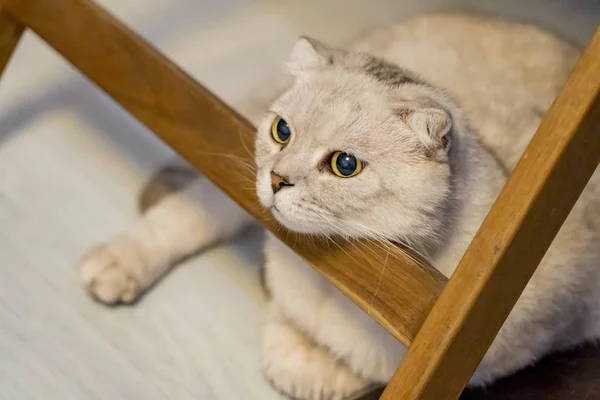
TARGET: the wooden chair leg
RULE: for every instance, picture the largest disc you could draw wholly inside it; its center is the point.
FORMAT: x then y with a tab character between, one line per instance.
10	33
537	198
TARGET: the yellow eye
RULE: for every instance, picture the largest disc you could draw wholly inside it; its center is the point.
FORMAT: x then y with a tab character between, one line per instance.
345	165
280	130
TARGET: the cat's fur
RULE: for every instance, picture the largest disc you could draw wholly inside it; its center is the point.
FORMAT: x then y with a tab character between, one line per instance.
432	171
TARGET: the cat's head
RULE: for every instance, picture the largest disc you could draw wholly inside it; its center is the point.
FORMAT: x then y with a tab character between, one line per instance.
356	147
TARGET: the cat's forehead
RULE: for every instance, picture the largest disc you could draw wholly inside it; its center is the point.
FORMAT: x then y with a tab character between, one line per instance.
329	104
337	87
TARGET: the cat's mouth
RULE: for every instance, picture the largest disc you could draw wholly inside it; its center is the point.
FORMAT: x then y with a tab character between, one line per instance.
291	224
281	218
278	215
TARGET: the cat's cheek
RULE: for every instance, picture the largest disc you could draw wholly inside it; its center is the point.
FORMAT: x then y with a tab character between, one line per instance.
263	188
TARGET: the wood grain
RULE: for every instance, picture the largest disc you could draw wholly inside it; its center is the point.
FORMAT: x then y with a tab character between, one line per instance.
397	289
512	240
10	33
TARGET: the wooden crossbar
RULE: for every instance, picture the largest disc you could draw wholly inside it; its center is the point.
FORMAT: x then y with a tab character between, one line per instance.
395	287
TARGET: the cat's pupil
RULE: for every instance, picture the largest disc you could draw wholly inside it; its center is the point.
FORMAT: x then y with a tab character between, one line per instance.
346	164
283	130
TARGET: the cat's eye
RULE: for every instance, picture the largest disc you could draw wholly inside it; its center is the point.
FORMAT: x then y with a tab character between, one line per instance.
345	165
280	130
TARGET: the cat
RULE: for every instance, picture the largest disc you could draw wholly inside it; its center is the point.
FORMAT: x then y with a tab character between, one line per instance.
407	137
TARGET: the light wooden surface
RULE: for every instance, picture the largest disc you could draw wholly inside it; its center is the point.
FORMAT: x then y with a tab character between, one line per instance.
198	125
521	225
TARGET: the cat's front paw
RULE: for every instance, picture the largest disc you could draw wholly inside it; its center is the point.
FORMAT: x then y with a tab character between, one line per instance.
106	277
299	369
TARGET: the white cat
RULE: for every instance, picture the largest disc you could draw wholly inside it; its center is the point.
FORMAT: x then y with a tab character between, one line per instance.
361	147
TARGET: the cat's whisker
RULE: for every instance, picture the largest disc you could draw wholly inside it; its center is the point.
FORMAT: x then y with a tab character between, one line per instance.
376	242
248	152
333	240
381	239
247	162
342	249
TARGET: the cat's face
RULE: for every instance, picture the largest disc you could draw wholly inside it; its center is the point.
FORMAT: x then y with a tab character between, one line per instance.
344	152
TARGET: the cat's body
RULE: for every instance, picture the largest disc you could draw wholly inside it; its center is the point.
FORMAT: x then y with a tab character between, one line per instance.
429	178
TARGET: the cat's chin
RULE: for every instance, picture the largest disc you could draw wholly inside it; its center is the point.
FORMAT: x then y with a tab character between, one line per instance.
294	225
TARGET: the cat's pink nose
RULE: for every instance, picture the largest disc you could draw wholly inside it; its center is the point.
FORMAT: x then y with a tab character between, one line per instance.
278	182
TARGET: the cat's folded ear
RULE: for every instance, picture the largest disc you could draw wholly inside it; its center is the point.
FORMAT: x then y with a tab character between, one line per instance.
432	125
309	54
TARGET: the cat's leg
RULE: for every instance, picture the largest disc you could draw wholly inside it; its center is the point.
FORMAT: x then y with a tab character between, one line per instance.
180	224
298	368
349	343
538	324
514	348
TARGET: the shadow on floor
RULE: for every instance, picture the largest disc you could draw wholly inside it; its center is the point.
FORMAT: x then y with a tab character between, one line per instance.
571	375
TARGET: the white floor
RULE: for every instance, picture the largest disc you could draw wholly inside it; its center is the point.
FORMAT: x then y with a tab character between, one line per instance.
71	163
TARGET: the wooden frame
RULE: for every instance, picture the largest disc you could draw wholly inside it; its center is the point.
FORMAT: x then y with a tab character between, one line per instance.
448	326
